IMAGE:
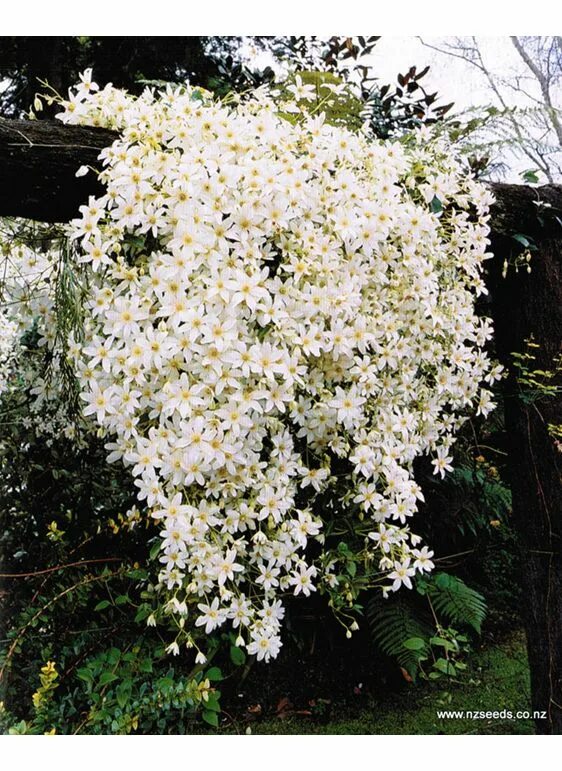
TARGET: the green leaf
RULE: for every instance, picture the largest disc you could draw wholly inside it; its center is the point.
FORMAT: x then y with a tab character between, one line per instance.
19	728
210	717
212	703
122	599
440	641
138	574
142	613
213	674
525	241
165	683
86	675
414	644
530	176
113	655
237	656
123	693
436	205
102	605
107	677
452	598
442	665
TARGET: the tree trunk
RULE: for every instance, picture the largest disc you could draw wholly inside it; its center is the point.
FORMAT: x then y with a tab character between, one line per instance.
526	305
38	161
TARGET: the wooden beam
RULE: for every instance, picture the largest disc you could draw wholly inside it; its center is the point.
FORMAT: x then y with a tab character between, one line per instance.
38	165
531	211
39	160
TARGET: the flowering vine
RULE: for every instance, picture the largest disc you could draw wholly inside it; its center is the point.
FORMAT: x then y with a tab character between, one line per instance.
280	321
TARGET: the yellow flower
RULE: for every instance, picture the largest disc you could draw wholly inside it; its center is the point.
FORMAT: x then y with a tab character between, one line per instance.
49	668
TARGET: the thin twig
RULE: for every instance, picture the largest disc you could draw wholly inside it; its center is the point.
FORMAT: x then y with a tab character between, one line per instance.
60	567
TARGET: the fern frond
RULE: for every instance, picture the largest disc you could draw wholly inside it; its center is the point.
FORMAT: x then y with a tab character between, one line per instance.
392	622
452	598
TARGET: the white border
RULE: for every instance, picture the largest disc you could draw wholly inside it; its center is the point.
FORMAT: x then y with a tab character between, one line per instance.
390	17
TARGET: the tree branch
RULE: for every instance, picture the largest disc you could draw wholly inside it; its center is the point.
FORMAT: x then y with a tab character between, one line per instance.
38	165
543	83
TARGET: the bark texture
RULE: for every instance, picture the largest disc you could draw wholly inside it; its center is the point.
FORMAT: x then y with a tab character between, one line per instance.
532	211
38	164
524	305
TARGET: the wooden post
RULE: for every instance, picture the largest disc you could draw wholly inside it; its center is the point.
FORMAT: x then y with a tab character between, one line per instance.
524	305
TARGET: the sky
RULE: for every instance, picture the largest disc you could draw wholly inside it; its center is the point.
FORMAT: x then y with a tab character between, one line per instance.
459	82
455	81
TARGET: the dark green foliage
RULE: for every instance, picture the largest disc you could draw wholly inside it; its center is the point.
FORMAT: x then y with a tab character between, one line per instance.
473	500
76	595
392	623
412	628
496	572
467	520
487	498
122	61
120	690
456	601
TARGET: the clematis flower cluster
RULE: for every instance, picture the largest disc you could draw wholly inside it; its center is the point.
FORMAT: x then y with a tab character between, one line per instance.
274	299
28	290
8	348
